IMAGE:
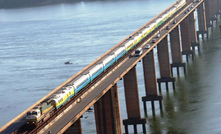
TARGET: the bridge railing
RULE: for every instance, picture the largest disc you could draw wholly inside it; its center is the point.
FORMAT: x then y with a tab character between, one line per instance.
77	74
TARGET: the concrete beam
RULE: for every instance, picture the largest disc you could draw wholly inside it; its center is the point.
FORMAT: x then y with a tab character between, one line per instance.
185	35
219	1
150	74
164	63
131	94
216	7
150	83
132	102
201	17
116	110
75	128
193	35
192	21
186	41
209	15
107	113
175	46
202	21
163	57
177	60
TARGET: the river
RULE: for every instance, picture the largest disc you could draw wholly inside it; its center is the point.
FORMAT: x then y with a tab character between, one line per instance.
36	42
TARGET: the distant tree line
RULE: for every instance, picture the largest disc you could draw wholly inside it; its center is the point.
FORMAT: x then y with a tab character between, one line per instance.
25	3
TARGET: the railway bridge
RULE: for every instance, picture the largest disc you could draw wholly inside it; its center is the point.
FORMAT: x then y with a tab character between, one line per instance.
102	92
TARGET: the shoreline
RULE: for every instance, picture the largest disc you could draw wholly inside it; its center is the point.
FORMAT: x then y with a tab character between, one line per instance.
10	4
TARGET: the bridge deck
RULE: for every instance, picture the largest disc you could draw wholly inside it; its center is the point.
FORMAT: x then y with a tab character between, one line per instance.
108	82
89	99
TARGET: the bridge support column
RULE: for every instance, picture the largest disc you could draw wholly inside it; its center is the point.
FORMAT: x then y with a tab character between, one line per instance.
219	8
186	43
132	102
150	83
220	30
216	7
210	16
193	36
202	21
107	113
75	128
177	60
164	62
215	10
219	1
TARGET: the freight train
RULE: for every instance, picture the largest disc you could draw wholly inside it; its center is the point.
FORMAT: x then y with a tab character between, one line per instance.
58	99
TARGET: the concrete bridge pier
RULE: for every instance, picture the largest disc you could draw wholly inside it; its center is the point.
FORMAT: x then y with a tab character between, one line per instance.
164	63
177	61
216	4
132	102
208	6
107	113
74	128
216	10
219	5
150	83
186	42
219	8
213	6
202	21
193	35
220	30
210	15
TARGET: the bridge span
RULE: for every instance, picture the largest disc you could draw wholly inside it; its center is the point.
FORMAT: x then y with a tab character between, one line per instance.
102	92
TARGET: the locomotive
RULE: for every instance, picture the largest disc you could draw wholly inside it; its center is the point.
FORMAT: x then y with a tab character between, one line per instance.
40	112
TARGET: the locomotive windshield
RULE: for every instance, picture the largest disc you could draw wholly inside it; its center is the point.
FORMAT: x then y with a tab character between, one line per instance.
28	113
137	52
34	113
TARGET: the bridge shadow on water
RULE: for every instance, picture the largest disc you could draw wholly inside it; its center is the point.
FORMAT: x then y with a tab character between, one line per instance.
188	109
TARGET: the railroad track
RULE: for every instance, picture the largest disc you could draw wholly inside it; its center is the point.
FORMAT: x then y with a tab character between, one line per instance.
27	130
